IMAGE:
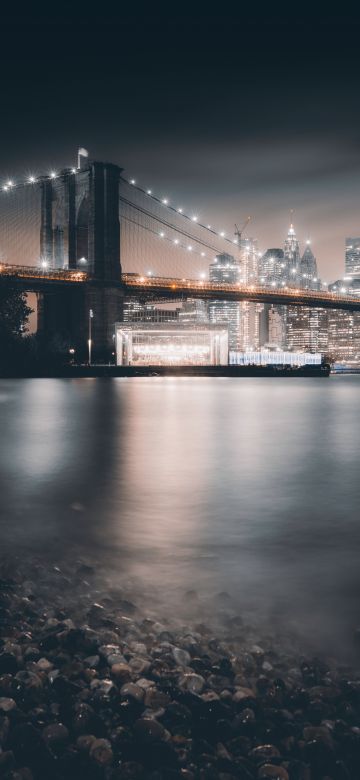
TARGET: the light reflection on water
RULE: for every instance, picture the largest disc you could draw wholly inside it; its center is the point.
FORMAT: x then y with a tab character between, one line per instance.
248	485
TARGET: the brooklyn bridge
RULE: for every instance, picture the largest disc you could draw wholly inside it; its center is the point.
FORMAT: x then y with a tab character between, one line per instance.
87	238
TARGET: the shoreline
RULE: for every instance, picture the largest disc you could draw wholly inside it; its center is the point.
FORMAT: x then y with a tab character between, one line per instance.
172	371
99	681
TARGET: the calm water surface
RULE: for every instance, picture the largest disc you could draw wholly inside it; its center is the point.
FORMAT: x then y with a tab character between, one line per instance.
248	485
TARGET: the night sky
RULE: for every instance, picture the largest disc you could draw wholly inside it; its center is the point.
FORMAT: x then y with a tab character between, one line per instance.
229	117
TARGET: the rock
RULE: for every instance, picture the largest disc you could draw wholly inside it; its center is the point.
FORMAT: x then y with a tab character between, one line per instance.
44	665
92	661
102	686
156	699
139	665
148	730
6	705
192	682
84	742
242	694
181	657
56	735
276	772
121	672
101	752
132	691
263	753
8	663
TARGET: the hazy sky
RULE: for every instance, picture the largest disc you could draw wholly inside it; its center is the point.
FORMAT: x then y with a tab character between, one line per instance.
231	117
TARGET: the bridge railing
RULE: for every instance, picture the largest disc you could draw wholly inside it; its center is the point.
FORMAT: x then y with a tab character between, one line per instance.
35	272
136	280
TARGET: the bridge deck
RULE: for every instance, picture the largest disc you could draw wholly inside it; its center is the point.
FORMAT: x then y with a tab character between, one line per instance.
159	288
155	288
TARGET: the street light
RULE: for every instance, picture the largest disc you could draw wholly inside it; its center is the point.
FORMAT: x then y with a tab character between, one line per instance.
91	315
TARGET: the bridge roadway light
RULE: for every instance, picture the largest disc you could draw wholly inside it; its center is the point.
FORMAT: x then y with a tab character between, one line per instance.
52	175
44	264
32	179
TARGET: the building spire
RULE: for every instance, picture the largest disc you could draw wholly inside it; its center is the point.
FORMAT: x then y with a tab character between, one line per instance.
291	231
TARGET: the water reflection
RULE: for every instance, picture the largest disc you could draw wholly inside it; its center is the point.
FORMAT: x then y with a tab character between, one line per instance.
246	485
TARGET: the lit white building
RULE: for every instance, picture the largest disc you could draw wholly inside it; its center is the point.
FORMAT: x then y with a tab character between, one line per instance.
266	357
170	344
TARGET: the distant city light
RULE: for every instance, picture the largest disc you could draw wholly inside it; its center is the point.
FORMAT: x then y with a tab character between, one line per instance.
52	175
176	240
32	179
82	260
162	234
149	192
180	211
203	254
189	248
10	183
5	188
165	201
44	264
194	219
132	181
222	234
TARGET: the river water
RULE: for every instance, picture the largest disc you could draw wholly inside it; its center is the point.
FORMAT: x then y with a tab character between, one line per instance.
251	486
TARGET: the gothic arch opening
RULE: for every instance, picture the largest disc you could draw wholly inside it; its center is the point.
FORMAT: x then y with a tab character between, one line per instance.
82	230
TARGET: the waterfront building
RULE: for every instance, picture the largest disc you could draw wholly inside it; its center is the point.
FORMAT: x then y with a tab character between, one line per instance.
352	257
168	344
306	329
274	357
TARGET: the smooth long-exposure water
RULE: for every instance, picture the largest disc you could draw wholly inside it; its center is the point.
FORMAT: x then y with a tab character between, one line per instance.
246	485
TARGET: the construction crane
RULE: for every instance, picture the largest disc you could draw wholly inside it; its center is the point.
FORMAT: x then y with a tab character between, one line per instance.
238	233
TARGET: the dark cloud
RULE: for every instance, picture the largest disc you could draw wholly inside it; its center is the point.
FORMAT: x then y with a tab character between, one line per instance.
231	115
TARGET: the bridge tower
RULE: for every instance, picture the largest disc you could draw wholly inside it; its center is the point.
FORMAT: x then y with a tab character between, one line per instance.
80	228
80	225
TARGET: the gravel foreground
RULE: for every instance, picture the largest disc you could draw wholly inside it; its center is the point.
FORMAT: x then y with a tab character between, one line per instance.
97	684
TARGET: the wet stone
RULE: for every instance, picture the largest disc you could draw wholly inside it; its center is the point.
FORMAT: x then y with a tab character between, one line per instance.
56	735
8	663
148	730
181	657
192	682
263	753
276	772
132	691
6	705
101	752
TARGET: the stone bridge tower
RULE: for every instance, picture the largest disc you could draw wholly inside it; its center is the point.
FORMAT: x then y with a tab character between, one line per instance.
80	225
80	228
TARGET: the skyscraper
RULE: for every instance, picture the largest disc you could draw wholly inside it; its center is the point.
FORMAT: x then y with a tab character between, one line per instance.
352	257
292	257
308	270
226	270
272	267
